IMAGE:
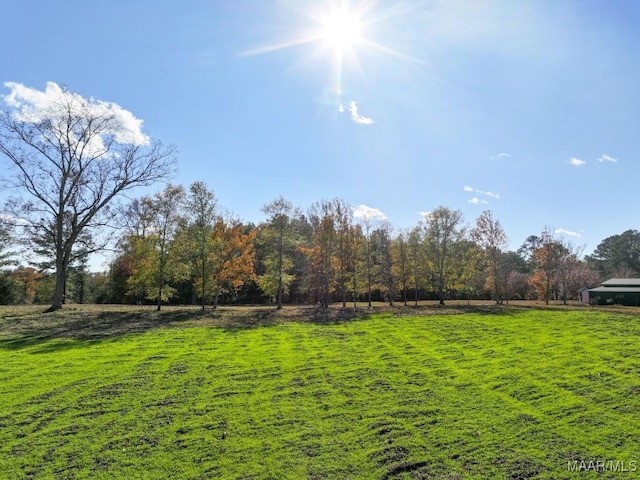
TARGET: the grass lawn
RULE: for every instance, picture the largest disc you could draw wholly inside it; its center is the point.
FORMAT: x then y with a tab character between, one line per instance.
505	393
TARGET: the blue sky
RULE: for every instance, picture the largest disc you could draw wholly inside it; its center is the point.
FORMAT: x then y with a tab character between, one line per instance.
527	108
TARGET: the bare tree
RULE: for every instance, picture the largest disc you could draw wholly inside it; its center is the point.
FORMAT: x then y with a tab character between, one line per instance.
69	158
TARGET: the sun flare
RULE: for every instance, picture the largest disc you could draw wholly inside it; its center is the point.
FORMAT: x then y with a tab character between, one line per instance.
341	30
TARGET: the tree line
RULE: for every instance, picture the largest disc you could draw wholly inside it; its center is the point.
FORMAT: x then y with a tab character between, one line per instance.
180	246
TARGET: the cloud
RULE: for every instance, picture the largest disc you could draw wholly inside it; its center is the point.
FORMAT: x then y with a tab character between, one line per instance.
501	155
576	162
569	233
477	201
467	188
13	220
356	117
608	159
424	214
368	213
33	105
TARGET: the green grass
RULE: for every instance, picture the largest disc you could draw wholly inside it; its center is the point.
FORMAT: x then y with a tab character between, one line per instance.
516	394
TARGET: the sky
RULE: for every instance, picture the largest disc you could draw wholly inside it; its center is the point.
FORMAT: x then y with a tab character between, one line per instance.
529	109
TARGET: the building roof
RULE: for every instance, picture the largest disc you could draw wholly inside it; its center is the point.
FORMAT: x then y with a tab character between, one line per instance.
622	282
613	290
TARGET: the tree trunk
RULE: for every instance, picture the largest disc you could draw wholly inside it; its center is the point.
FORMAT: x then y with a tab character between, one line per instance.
204	284
58	293
279	295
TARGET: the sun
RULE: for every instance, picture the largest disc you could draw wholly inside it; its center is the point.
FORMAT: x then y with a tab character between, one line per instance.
341	30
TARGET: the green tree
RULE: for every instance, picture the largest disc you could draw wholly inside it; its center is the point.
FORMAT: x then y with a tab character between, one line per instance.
155	254
11	289
343	220
369	218
401	261
357	241
416	243
322	251
203	209
443	230
381	246
617	256
7	240
278	237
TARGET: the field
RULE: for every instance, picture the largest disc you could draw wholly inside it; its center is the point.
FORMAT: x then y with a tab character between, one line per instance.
451	393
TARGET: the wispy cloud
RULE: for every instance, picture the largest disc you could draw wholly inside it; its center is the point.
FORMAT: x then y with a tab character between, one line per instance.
607	159
355	114
487	193
569	233
501	155
477	201
576	162
366	213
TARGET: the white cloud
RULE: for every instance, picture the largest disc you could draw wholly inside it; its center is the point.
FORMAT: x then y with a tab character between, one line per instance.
569	233
608	159
368	213
34	105
13	220
356	117
576	162
501	155
467	188
477	201
424	214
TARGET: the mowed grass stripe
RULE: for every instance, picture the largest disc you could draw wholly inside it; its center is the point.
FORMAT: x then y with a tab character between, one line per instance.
514	395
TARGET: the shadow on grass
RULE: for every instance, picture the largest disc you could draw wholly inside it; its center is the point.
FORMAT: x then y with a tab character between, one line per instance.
71	328
76	326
